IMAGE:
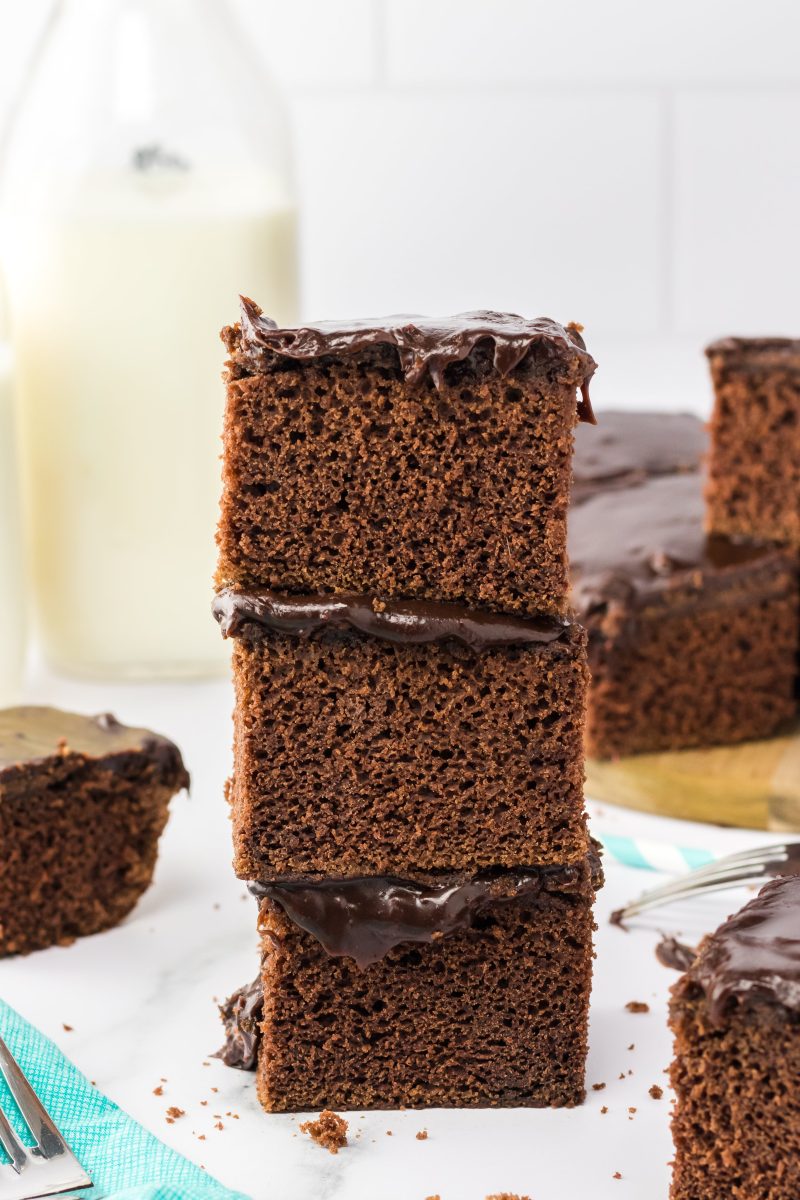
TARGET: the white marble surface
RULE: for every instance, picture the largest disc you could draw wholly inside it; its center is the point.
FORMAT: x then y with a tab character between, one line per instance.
141	1004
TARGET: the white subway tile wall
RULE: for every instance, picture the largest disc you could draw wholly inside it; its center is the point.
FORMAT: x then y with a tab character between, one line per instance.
630	165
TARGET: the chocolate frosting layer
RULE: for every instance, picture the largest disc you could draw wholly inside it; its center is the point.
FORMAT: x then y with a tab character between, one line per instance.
241	1015
782	346
364	918
637	544
407	622
630	447
755	955
32	734
425	344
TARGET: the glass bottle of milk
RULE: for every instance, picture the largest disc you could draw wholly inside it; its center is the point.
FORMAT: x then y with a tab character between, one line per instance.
146	184
13	614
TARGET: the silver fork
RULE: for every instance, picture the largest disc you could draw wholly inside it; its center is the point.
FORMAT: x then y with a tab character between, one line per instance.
49	1168
763	862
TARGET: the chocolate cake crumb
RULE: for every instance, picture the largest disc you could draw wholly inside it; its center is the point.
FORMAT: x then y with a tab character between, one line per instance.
463	759
422	1136
598	1087
83	802
604	1110
67	1028
632	1046
174	1112
632	1109
329	1131
506	1196
341	473
637	1006
616	1175
656	1092
158	1091
735	1016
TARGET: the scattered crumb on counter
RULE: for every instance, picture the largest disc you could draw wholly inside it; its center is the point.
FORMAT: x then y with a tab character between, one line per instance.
604	1110
388	1133
598	1087
632	1046
506	1196
174	1113
656	1092
158	1091
422	1135
617	1175
637	1006
329	1131
632	1109
67	1028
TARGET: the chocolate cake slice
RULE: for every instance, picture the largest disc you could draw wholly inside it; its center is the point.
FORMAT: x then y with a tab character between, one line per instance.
83	801
443	990
754	467
372	736
626	448
736	1019
416	458
692	638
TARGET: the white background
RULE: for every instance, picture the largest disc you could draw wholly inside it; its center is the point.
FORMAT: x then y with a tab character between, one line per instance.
631	165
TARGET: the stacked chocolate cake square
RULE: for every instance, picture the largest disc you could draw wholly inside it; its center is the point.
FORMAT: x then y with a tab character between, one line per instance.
407	793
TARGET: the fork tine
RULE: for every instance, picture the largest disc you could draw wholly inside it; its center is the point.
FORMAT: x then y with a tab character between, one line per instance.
48	1139
690	885
12	1145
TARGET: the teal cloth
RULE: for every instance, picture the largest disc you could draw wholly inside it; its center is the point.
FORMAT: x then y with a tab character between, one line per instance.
123	1159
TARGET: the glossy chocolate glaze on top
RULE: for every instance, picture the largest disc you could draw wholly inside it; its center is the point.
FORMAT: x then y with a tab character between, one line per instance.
364	918
634	545
775	348
755	955
32	734
406	622
423	344
630	447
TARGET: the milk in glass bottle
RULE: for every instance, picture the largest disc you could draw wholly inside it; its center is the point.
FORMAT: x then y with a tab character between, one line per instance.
13	608
146	184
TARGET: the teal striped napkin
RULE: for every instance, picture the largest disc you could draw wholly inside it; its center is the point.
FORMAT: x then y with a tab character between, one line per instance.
124	1160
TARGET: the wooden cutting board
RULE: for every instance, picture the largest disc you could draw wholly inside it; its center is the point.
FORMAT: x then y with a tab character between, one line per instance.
755	784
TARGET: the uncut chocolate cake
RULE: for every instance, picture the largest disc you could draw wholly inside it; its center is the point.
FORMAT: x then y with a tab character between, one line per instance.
408	457
372	736
456	989
83	802
754	467
692	638
735	1015
408	728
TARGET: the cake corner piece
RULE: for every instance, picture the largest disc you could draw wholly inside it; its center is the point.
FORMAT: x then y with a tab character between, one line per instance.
735	1016
83	802
356	456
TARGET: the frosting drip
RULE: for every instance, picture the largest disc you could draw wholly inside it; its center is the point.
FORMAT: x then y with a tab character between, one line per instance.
425	344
